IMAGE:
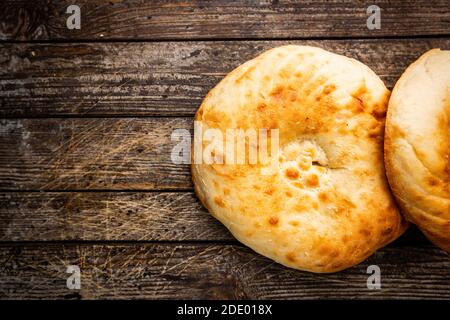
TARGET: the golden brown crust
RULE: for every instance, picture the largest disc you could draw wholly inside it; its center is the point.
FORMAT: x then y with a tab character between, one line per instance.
326	206
417	145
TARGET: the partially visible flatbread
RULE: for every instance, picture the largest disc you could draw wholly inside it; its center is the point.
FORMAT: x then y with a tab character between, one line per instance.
418	144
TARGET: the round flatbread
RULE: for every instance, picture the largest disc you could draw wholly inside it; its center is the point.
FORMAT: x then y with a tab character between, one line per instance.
324	204
417	146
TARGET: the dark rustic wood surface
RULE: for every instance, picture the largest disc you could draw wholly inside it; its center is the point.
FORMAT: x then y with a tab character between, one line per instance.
77	154
209	271
121	216
86	176
148	79
98	216
237	19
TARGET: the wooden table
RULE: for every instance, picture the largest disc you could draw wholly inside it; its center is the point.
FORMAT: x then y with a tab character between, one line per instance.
86	177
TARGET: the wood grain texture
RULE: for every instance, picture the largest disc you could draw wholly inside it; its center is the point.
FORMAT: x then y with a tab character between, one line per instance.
116	216
205	271
82	154
160	19
107	111
155	79
100	216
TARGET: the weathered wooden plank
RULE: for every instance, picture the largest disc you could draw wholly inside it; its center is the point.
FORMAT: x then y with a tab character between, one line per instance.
98	216
206	271
165	79
80	154
121	216
160	19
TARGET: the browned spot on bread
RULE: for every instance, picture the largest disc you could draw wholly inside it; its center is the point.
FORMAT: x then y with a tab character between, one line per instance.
378	114
300	206
364	232
324	250
257	225
226	191
289	194
375	130
362	90
292	173
298	185
199	113
387	231
277	92
312	181
359	105
294	223
345	238
269	191
304	164
285	73
323	196
273	220
320	265
432	181
379	109
447	166
261	107
444	143
245	74
216	118
329	89
343	130
269	123
359	99
347	203
291	257
219	201
249	94
337	265
321	169
333	254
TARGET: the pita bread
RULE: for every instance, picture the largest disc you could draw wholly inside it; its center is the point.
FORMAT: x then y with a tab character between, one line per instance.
417	147
326	205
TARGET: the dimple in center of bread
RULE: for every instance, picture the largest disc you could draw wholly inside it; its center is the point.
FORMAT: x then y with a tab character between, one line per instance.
303	165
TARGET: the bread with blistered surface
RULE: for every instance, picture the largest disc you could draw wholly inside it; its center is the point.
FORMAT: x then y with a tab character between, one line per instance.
326	206
417	146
